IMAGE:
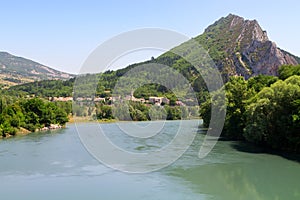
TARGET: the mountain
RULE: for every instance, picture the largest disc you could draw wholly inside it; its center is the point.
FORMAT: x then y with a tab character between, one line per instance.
239	47
17	70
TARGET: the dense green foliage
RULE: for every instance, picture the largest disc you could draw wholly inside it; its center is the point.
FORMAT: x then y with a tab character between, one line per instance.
30	114
142	112
263	110
46	88
273	115
104	111
288	70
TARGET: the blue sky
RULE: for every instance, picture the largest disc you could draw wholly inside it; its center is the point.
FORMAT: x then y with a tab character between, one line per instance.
61	34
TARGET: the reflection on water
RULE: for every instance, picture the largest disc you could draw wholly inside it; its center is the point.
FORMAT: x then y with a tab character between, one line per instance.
243	181
55	165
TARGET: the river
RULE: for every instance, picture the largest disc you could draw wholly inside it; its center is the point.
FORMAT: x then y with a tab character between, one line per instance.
55	165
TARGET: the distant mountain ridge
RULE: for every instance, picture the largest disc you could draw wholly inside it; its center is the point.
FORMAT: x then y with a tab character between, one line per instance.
17	70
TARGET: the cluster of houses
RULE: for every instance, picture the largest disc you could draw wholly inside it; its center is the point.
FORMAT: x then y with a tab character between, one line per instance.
60	98
159	100
96	99
152	100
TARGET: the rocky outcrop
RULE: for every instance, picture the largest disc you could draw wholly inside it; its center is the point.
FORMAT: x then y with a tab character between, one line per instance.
244	47
50	127
265	58
259	54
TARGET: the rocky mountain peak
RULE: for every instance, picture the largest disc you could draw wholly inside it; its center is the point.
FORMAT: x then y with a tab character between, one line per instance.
257	33
241	47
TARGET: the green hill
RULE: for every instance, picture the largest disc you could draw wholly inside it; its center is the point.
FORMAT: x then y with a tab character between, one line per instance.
17	70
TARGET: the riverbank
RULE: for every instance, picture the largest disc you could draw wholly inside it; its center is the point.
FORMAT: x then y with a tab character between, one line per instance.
76	119
22	131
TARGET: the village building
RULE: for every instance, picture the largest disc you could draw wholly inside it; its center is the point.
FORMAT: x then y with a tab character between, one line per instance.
159	100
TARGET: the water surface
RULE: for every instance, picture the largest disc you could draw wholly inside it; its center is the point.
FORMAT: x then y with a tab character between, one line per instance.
55	165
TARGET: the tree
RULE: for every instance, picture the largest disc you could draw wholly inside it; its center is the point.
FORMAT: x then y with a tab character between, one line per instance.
273	116
173	112
261	81
286	71
237	94
30	114
104	112
61	117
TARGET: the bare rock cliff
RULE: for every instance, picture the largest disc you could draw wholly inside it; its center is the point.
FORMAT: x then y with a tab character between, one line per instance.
242	47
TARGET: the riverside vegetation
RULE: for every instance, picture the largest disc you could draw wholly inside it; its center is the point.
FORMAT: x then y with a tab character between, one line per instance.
264	110
29	114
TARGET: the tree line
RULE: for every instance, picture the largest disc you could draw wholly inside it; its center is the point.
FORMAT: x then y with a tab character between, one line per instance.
30	114
135	111
264	110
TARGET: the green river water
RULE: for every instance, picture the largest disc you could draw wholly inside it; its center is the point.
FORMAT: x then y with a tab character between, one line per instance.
55	165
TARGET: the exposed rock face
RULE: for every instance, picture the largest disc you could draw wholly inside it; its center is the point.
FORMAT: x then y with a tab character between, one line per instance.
265	58
260	54
241	47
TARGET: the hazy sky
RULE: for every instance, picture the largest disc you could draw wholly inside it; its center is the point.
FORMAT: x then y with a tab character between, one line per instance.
61	34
